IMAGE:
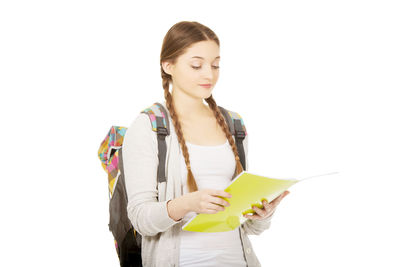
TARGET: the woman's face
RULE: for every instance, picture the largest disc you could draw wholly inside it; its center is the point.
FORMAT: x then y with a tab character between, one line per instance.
199	65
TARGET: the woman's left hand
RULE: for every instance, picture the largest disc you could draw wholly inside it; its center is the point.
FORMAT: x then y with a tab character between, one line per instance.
268	210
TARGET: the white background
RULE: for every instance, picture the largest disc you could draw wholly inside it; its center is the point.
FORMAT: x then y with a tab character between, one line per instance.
316	83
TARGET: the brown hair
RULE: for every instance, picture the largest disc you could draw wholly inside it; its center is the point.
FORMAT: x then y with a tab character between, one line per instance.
178	38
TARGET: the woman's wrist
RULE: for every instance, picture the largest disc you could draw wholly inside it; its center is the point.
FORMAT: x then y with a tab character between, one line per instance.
177	208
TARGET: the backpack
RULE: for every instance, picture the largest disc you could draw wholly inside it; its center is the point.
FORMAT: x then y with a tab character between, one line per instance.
126	239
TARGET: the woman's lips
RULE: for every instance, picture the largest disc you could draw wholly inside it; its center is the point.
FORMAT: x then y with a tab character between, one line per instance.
206	85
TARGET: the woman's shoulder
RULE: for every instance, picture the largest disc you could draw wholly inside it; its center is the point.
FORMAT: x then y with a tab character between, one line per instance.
147	113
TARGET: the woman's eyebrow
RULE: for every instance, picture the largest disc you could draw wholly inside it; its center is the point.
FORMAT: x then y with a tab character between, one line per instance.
203	57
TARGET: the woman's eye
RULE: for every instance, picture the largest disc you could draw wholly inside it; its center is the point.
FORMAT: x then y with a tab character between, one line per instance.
196	68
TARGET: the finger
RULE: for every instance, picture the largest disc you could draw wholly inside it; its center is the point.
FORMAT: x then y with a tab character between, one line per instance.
253	217
219	201
265	203
211	211
285	193
279	198
275	201
215	207
282	195
274	204
261	212
207	206
268	206
268	211
221	193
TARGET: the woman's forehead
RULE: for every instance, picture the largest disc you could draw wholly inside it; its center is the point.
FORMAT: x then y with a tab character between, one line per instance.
205	50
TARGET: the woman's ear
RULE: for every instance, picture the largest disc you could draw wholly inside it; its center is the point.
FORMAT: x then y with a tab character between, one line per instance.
166	67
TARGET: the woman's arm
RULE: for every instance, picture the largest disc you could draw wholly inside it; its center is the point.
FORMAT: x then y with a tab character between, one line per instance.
140	152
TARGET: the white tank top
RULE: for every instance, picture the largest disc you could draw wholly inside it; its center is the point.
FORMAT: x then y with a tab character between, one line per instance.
212	167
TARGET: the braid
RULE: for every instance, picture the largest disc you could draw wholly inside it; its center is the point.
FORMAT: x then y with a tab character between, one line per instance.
221	121
178	129
191	182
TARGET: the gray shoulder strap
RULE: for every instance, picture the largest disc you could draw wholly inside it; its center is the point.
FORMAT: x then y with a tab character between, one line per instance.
160	123
236	127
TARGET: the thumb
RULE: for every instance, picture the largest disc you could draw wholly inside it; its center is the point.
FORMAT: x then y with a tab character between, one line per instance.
285	194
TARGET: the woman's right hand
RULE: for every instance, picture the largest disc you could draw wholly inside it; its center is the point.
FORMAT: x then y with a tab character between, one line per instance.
207	200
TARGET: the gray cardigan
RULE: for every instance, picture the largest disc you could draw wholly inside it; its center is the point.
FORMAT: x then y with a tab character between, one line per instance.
148	214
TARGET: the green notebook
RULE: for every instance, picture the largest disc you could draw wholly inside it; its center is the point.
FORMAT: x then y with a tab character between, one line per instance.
247	189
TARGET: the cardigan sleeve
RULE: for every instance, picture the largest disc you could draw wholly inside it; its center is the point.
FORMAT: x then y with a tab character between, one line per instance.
254	227
140	151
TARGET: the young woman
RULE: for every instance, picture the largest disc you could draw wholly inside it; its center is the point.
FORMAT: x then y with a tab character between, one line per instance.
202	160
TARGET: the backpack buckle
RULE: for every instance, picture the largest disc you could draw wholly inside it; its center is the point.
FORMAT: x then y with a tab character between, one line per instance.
240	134
162	130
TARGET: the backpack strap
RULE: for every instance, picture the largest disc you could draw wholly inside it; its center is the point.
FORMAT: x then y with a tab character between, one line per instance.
237	128
160	124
